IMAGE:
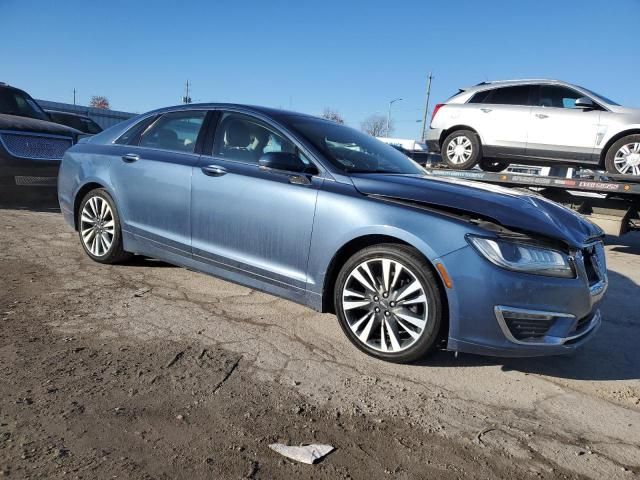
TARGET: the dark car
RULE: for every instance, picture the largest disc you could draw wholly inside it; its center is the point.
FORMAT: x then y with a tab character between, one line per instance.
74	120
325	215
31	145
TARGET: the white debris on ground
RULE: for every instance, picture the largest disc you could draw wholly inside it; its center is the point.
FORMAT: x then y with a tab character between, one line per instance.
305	453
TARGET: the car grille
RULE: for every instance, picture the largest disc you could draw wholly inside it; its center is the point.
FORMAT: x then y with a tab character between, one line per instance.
33	146
37	181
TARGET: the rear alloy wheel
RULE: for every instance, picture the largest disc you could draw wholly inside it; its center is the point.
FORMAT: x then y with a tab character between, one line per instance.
493	165
99	228
623	157
462	150
388	303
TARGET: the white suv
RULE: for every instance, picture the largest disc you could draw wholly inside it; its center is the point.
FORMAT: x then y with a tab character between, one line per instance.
536	122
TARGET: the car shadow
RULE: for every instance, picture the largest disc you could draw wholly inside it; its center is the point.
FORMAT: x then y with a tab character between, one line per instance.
33	199
147	262
612	353
628	243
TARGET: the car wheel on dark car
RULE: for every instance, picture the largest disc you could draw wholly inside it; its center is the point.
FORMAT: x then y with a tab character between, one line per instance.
623	157
99	228
388	303
462	150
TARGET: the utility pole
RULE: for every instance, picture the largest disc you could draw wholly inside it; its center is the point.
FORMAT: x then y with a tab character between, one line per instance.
74	96
426	108
186	98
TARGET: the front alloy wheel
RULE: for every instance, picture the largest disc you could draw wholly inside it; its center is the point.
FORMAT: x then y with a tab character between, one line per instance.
389	303
623	157
627	159
99	228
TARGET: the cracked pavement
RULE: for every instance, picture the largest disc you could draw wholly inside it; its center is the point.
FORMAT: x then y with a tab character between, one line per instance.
470	416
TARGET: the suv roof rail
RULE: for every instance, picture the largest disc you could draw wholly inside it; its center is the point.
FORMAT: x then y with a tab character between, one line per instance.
520	80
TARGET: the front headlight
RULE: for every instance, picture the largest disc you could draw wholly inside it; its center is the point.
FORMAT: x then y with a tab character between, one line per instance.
522	257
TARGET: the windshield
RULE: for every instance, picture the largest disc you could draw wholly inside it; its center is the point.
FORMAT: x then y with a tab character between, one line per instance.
15	102
352	151
84	124
604	99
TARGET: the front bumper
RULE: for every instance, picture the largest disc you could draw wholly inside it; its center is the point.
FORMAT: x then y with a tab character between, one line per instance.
433	140
491	309
27	172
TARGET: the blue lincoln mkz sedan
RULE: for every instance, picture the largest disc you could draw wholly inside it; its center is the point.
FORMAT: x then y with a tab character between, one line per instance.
329	217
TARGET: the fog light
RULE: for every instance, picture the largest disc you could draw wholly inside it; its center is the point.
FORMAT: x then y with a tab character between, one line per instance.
527	326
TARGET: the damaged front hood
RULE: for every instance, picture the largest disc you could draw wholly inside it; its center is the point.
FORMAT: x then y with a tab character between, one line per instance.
508	207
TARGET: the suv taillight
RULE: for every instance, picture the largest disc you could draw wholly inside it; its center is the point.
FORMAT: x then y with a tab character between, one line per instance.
435	110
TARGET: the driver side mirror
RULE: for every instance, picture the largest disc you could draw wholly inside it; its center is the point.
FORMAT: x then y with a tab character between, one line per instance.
585	102
288	162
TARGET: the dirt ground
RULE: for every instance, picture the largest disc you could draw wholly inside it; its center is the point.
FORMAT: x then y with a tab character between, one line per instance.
146	370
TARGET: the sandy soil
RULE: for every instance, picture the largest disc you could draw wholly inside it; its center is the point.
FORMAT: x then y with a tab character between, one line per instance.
146	370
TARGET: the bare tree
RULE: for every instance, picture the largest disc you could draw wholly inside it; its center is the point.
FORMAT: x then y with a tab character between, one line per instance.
98	101
333	115
376	126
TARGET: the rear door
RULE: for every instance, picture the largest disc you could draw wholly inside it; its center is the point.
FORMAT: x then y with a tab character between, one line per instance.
501	117
558	129
152	179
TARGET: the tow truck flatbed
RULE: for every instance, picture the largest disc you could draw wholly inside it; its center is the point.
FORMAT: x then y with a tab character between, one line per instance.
610	201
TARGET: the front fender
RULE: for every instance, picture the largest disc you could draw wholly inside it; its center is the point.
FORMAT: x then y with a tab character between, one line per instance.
341	218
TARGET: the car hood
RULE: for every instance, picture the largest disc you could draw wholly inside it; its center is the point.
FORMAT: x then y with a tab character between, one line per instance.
26	124
508	207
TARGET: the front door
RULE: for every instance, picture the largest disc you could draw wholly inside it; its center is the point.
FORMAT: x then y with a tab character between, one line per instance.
560	131
251	220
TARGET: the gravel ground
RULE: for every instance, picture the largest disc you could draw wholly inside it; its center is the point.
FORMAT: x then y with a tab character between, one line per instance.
146	370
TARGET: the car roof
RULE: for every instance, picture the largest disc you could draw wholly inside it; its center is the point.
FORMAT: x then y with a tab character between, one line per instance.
269	111
488	85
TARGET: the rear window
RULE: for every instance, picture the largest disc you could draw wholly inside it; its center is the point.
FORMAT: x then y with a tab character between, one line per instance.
518	95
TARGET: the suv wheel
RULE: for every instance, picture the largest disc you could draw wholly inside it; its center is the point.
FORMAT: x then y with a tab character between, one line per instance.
623	157
462	150
387	300
99	228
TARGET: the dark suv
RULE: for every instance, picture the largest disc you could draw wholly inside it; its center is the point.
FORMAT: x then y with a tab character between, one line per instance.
31	145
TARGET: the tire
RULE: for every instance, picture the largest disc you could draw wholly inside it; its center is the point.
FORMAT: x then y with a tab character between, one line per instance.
99	228
623	157
493	165
410	331
462	150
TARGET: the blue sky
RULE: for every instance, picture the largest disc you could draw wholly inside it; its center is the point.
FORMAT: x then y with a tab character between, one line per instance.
351	55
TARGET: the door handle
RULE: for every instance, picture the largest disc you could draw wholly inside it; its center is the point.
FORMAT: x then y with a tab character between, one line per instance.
130	158
542	115
213	170
486	110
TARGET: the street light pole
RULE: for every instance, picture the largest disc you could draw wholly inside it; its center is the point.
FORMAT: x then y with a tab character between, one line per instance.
389	113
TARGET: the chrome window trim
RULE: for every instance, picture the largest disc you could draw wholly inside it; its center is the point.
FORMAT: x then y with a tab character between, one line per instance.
548	339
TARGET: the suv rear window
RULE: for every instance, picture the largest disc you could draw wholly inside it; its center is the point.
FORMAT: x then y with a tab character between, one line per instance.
518	95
